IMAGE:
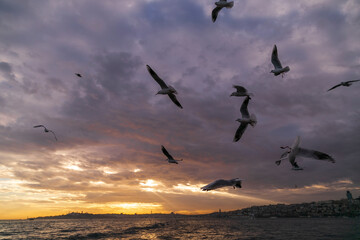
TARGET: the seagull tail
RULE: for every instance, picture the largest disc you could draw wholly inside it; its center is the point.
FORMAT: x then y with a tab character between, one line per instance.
253	120
230	5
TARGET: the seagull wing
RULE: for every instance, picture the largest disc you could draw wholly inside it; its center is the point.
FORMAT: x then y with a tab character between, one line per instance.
240	131
156	77
215	13
275	58
53	134
243	109
167	154
37	126
296	166
353	81
315	154
216	184
335	87
240	89
174	99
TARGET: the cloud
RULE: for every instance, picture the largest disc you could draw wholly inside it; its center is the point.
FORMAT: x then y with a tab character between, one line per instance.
6	69
109	122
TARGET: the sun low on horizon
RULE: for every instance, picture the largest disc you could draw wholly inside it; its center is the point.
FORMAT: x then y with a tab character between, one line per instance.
81	69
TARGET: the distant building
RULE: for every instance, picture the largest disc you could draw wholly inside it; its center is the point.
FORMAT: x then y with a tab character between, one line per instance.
349	196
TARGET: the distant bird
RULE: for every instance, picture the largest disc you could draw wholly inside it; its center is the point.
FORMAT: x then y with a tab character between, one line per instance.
170	158
277	64
241	92
245	120
165	89
219	5
295	150
345	84
235	183
46	130
78	74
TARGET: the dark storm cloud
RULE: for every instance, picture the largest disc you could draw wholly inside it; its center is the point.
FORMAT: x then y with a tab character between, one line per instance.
111	119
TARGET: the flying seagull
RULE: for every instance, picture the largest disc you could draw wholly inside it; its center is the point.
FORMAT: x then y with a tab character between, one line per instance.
219	5
235	183
46	130
170	158
245	120
295	150
277	64
78	74
165	89
345	84
241	92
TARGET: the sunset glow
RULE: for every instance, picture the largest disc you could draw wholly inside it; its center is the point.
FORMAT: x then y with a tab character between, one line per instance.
110	124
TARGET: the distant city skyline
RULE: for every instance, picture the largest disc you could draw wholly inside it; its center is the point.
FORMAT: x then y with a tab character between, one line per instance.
110	126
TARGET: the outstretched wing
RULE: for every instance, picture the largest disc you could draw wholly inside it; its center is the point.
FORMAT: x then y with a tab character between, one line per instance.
353	81
216	184
334	87
275	58
174	99
167	154
240	89
240	131
243	109
315	154
215	13
156	77
53	134
37	126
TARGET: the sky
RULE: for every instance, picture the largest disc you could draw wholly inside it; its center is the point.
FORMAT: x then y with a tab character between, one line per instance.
110	124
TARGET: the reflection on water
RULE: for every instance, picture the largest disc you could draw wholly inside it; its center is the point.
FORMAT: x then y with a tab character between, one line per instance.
183	228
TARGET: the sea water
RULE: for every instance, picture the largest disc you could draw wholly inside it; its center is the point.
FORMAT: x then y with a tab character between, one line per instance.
177	227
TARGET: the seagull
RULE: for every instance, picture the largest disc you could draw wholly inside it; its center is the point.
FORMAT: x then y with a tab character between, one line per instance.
46	130
219	5
295	150
345	84
165	89
170	158
245	120
235	183
277	65
78	74
241	92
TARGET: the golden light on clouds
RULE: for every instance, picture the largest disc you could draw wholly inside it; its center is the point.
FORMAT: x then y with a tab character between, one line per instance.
110	125
73	167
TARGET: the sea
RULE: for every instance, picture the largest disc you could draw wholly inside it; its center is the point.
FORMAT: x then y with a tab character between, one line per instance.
175	227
